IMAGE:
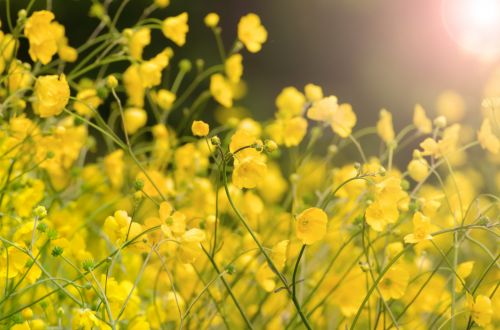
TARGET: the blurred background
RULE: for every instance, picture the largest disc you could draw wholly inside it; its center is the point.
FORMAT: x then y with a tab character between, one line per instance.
370	53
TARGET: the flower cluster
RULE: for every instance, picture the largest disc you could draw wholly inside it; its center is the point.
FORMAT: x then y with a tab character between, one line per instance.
136	193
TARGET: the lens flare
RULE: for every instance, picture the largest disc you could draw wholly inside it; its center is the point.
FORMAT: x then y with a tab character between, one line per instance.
474	25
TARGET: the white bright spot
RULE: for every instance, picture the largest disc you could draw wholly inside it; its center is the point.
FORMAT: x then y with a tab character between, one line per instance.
474	25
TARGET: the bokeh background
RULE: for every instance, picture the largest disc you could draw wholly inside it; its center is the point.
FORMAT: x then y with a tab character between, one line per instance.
370	53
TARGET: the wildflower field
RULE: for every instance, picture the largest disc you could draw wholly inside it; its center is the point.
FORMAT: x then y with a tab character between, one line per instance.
136	194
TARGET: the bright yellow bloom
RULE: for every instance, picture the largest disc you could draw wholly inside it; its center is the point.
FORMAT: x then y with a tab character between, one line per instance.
381	213
384	126
394	282
290	102
87	102
200	128
251	32
324	109
234	67
481	310
288	131
134	118
310	225
85	319
447	144
343	120
120	226
41	33
313	92
421	229
221	90
248	172
175	28
51	95
165	99
19	76
211	20
190	248
418	169
420	120
487	139
137	40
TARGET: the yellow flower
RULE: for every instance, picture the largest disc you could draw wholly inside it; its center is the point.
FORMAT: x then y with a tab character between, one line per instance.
85	319
51	95
418	169
487	139
248	172
421	229
463	270
165	99
211	20
137	40
420	120
19	76
290	102
234	68
384	126
119	226
200	128
481	310
87	102
324	109
343	120
313	92
288	131
251	32
381	213
41	33
394	282
310	225
190	248
134	118
221	90
175	28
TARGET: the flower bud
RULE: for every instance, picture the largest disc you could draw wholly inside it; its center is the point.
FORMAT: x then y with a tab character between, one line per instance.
111	82
440	122
270	146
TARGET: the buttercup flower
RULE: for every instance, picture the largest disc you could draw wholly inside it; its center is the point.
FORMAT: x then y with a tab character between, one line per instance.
310	225
421	229
221	90
51	95
487	139
175	28
251	32
481	309
384	126
199	128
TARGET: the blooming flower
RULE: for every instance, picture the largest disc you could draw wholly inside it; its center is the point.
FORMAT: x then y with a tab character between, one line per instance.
134	119
200	128
175	28
481	310
251	32
41	34
394	282
51	95
420	120
221	90
384	126
421	229
310	225
234	68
